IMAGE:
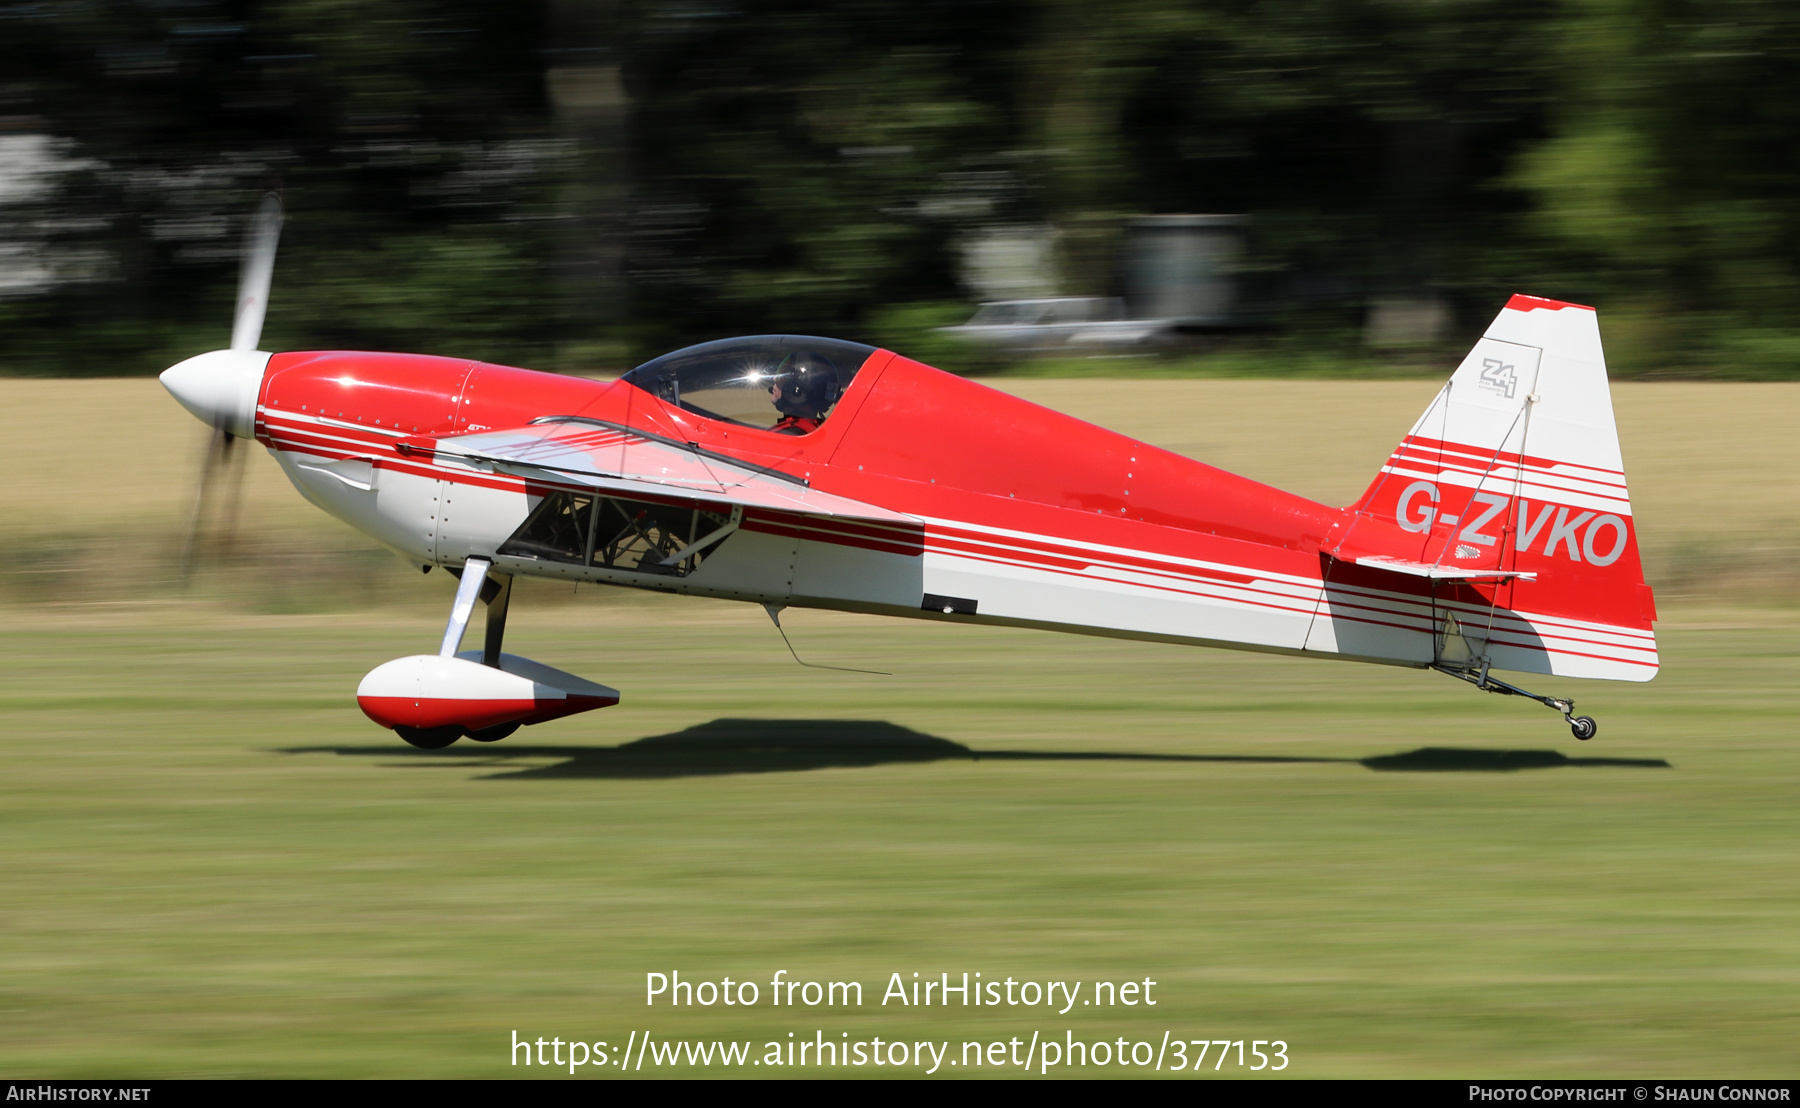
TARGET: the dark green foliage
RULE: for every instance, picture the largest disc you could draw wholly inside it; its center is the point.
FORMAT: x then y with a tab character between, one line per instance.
1671	193
409	140
795	165
800	166
1365	136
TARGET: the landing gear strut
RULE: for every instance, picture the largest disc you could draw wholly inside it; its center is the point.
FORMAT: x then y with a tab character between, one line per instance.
495	590
432	700
1583	727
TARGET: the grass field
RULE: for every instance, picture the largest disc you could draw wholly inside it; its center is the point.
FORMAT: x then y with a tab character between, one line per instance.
213	865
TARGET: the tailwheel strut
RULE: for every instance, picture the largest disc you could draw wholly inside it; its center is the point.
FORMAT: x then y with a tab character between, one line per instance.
1583	727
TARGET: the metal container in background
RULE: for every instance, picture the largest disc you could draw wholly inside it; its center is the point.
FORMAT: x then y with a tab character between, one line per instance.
1010	262
1182	268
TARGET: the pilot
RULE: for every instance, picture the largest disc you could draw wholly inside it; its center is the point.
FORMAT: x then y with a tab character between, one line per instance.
803	388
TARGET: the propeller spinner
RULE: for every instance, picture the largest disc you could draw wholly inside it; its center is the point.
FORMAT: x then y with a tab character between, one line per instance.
220	386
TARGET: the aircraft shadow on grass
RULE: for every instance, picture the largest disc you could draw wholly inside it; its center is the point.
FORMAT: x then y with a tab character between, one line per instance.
724	746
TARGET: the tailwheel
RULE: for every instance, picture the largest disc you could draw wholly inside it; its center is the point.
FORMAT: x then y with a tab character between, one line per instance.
1583	727
429	738
491	734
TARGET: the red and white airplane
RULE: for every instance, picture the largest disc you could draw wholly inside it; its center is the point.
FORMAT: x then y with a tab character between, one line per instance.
809	472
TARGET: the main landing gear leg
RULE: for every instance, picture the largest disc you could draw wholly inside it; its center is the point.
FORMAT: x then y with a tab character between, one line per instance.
472	582
1583	727
432	700
496	618
472	578
495	589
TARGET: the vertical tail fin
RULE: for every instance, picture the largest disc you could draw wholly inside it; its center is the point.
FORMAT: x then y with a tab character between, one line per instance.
1509	495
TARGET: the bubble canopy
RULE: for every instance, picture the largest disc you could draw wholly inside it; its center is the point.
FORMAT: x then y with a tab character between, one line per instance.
758	381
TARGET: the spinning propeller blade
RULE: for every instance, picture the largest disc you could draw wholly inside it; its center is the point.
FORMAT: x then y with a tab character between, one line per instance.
259	268
212	466
210	386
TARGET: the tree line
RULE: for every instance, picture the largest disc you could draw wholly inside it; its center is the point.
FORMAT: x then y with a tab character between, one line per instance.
575	185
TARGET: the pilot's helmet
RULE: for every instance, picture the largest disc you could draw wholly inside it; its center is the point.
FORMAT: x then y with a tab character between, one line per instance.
809	385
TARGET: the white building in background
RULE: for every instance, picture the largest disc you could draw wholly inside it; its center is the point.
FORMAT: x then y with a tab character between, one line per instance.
30	166
1183	268
1011	262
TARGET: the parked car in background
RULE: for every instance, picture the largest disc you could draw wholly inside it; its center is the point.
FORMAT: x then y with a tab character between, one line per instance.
1178	273
1081	322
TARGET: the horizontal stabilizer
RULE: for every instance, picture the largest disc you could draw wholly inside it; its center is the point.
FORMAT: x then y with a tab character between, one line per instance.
1439	572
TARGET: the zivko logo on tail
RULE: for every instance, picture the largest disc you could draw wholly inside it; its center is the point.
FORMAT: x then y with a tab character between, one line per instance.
1497	376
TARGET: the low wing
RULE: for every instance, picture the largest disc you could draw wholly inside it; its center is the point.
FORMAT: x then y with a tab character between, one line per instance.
616	458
